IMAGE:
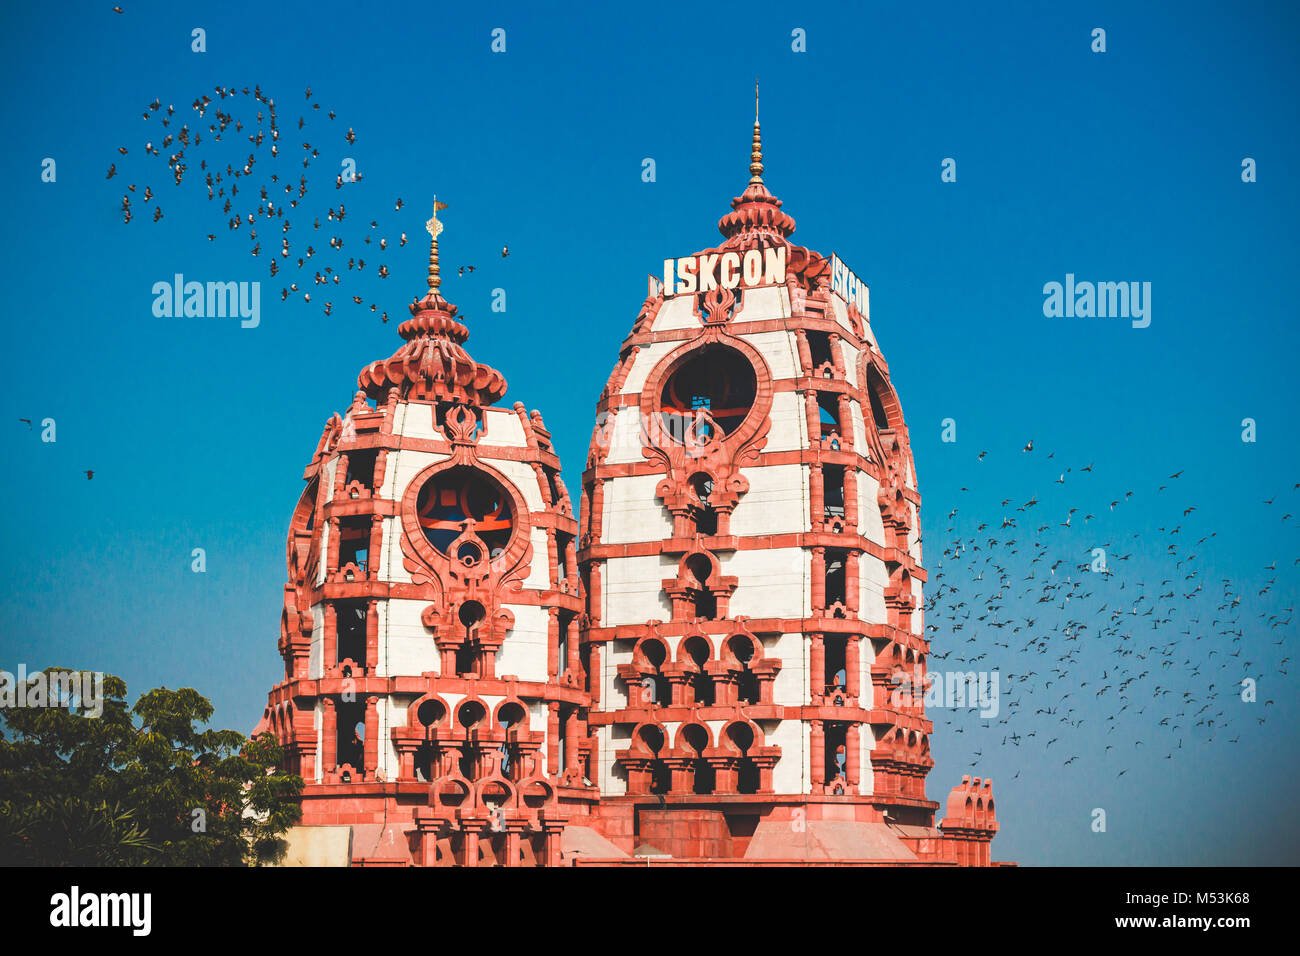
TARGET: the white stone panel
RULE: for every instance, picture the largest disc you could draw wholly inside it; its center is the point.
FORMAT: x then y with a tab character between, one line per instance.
677	312
872	580
780	350
539	571
625	437
406	646
315	665
631	590
788	776
772	582
327	478
403	465
790	689
524	652
522	476
390	565
866	743
859	428
776	503
789	431
633	512
870	525
850	357
611	739
765	302
415	420
503	427
647	357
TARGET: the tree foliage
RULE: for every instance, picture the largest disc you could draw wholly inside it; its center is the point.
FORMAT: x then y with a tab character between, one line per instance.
142	785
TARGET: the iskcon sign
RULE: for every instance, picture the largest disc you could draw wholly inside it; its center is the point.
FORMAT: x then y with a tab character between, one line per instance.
727	270
848	286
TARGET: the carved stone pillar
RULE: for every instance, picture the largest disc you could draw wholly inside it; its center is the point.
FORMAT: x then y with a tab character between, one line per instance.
329	737
818	579
817	666
817	496
372	737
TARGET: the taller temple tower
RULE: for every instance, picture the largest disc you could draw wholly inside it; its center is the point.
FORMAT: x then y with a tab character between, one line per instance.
751	568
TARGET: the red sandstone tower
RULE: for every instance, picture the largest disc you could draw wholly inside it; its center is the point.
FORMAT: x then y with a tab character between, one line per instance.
430	698
752	571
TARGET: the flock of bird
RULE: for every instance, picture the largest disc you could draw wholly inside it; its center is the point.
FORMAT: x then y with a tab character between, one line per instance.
259	196
1155	658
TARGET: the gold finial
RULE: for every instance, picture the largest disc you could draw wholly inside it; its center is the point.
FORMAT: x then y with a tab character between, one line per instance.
756	152
434	227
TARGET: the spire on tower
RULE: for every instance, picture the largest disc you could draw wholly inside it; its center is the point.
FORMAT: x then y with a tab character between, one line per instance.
756	152
434	227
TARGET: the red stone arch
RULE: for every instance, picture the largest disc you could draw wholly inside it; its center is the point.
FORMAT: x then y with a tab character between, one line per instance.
754	421
485	720
638	744
641	660
686	658
494	780
727	740
684	746
880	395
511	702
413	720
728	654
446	567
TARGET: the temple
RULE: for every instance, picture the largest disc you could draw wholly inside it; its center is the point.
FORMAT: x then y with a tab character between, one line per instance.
696	665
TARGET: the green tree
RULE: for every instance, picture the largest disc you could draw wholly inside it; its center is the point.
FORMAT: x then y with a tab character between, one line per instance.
139	785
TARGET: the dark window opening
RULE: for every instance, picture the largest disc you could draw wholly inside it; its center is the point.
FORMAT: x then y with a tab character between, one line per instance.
361	467
350	621
351	727
836	752
706	605
835	577
354	542
819	346
828	406
457	495
424	763
716	380
877	408
833	490
835	675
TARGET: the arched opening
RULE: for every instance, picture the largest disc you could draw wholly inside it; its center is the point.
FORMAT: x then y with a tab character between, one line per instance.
652	738
706	517
747	773
706	605
469	655
656	689
350	718
697	649
451	498
696	739
713	390
748	689
350	631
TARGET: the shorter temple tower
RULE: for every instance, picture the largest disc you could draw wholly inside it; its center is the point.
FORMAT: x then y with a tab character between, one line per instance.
431	698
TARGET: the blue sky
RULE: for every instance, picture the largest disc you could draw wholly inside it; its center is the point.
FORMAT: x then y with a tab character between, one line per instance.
1122	166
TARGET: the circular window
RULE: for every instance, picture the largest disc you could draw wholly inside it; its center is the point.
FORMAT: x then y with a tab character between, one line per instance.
712	391
453	497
